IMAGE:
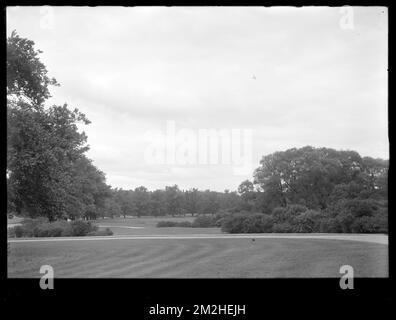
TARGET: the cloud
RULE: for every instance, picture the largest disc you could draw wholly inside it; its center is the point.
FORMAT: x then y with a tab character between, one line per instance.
292	75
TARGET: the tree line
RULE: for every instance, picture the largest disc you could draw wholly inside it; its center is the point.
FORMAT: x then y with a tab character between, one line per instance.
49	174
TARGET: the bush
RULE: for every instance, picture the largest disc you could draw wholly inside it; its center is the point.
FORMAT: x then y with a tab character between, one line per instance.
180	224
308	221
54	229
42	228
360	208
284	227
184	224
295	209
82	228
329	225
204	222
30	224
369	225
17	232
288	213
219	218
233	223
106	232
165	224
47	230
247	223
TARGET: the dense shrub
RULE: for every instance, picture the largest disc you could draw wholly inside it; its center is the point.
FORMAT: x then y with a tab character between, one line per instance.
329	225
17	232
82	228
48	230
288	213
360	208
204	222
351	216
283	227
369	225
105	232
180	224
30	226
247	223
308	221
219	217
233	223
165	224
42	228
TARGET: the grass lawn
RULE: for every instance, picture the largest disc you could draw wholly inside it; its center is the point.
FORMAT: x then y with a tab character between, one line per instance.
147	226
142	221
202	258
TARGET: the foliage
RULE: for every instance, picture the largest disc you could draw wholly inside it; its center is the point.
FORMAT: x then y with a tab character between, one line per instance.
247	223
47	172
105	232
204	222
26	74
310	175
43	228
49	175
181	224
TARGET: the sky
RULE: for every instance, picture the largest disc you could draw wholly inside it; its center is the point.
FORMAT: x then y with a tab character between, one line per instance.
270	79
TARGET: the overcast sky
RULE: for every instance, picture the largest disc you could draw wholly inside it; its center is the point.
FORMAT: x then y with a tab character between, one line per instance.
295	77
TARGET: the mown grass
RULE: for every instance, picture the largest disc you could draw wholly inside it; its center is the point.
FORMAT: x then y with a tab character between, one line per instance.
199	258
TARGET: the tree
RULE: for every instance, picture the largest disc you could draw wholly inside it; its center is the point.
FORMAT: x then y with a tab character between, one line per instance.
307	175
141	201
246	190
126	202
173	200
26	74
87	190
112	207
157	203
43	146
45	150
191	200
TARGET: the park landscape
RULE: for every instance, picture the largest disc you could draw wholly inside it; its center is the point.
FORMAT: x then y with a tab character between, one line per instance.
304	212
150	252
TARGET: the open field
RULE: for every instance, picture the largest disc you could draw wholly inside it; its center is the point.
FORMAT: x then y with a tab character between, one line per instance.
147	226
178	256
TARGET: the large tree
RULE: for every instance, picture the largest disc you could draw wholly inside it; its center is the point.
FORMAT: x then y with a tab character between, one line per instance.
307	175
44	146
26	75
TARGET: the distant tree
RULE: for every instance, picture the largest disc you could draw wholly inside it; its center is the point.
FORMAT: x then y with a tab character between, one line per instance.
173	200
157	203
126	201
192	200
141	201
246	190
208	202
87	190
112	208
307	175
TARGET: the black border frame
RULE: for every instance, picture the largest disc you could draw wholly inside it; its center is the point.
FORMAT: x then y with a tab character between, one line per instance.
135	295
